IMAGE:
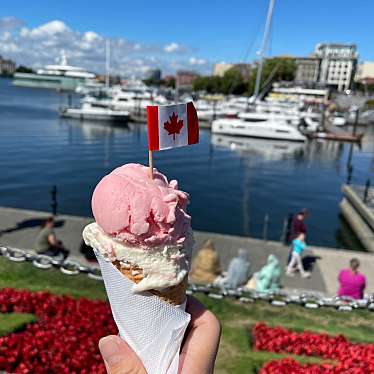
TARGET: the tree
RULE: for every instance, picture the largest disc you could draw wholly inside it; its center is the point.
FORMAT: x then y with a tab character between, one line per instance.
274	70
233	82
152	82
24	69
169	82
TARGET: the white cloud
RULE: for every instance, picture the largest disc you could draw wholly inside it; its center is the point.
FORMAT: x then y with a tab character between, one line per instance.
9	48
48	29
90	36
172	47
196	61
42	45
10	23
5	36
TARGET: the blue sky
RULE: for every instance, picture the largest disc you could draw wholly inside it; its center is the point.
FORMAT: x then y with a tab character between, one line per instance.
198	33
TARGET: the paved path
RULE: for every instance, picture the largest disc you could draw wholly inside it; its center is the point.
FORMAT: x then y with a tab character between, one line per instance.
18	228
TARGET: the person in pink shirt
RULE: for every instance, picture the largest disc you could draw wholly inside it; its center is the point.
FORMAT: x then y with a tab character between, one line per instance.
352	282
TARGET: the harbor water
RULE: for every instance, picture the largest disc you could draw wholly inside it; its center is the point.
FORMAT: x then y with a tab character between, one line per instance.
233	182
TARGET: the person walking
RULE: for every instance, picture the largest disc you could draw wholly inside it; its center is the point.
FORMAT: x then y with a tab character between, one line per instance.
298	247
352	282
298	224
298	227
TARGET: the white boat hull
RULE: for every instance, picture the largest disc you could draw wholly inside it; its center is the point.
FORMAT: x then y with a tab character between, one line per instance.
263	129
96	115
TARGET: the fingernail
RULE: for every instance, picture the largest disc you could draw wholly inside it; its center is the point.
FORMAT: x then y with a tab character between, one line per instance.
110	350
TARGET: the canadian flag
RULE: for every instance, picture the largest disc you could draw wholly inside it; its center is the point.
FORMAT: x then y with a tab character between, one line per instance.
172	126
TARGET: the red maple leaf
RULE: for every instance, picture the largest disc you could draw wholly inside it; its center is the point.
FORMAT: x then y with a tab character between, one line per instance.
173	126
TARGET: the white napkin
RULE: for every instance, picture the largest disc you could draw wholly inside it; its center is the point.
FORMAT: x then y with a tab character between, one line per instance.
153	328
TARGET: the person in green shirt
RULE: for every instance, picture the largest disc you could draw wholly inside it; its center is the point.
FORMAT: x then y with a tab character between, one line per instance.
46	242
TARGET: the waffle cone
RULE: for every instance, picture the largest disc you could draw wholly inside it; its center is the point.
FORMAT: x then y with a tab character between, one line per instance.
174	295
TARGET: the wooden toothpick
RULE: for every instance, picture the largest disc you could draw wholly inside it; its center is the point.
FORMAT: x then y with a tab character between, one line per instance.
150	163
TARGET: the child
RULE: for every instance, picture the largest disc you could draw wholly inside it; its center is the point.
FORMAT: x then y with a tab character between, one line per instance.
298	246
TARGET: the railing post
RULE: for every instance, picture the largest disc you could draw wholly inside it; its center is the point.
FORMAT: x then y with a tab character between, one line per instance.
349	177
367	188
54	200
266	226
357	112
286	230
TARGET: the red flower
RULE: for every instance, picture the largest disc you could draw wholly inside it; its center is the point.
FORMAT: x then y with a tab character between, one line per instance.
350	358
63	340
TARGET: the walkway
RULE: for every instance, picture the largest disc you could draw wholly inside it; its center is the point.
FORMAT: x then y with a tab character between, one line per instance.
18	228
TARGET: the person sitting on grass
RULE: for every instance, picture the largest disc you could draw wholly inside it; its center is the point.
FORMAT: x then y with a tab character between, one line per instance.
298	247
352	282
46	242
268	278
238	271
206	265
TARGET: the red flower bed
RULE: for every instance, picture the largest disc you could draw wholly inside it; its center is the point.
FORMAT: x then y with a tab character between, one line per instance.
63	340
350	357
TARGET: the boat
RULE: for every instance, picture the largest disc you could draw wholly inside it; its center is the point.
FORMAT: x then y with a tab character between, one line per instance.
338	119
245	125
291	119
60	76
209	111
93	113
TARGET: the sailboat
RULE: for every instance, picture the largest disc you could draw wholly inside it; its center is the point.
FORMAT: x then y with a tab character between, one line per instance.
260	125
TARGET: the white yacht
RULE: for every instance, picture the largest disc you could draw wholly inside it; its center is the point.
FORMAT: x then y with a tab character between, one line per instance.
245	125
94	113
134	98
209	111
60	76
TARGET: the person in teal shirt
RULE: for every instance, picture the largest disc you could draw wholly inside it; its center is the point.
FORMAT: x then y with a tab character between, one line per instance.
298	247
268	278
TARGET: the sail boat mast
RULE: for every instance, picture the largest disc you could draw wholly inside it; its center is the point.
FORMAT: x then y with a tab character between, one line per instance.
107	63
264	46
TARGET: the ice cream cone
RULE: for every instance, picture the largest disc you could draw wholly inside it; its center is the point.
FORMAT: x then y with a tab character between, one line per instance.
143	241
174	295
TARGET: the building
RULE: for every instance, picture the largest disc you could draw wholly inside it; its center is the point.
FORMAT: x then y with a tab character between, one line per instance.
338	64
7	67
184	79
153	74
219	70
332	65
307	70
244	70
365	73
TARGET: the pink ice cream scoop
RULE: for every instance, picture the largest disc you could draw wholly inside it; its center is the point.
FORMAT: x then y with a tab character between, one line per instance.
137	210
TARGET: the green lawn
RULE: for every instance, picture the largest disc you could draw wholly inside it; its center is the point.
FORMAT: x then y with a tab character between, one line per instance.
235	355
14	322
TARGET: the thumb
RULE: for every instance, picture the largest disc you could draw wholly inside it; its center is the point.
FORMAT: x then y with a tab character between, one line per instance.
118	356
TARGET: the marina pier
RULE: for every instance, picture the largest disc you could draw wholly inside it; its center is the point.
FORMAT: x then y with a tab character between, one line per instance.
357	208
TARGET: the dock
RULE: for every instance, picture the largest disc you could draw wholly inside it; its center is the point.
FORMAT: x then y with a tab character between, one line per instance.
336	133
357	207
18	229
342	137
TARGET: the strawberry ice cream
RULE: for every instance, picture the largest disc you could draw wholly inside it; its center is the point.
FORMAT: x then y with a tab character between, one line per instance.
142	222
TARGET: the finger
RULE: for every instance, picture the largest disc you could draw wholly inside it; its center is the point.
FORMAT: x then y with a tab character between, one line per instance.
200	347
118	356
